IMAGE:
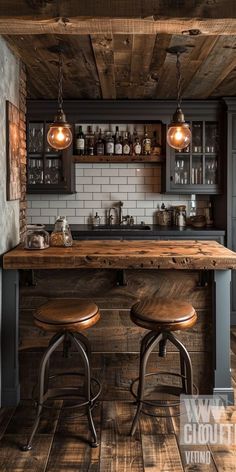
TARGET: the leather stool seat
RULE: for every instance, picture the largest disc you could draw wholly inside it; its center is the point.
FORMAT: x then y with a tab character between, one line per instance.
70	314
164	314
160	316
66	317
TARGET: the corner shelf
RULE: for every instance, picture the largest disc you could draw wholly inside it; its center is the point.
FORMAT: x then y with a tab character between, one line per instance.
118	159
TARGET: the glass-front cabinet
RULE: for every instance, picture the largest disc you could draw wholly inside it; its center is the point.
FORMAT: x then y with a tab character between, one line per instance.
196	168
48	170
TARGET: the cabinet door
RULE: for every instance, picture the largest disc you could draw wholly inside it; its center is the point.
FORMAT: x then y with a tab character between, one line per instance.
196	168
48	170
35	154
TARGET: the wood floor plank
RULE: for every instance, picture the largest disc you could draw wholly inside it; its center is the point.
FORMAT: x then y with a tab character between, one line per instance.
71	450
224	457
187	461
23	418
14	460
5	417
160	452
119	451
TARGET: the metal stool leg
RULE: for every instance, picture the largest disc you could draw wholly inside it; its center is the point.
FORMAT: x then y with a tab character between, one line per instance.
187	361
81	348
43	364
142	372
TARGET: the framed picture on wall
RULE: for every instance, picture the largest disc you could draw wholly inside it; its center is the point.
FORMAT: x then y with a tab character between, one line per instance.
13	152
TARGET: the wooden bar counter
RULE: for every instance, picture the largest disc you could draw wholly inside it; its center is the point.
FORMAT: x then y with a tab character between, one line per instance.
196	270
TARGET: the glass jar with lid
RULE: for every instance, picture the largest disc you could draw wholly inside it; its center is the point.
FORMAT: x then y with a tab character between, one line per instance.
61	235
36	237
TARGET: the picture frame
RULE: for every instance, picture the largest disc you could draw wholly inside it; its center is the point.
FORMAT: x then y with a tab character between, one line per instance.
13	181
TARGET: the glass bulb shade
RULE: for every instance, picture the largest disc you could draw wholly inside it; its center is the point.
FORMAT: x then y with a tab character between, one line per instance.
59	136
178	135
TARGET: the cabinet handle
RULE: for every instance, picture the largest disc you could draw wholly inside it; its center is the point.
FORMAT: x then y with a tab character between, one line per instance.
171	178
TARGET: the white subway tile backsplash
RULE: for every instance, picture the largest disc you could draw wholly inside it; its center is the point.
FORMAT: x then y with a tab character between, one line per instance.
110	172
84	196
66	211
76	204
93	204
50	211
116	197
109	188
101	180
93	188
87	180
57	204
40	204
118	180
44	220
80	188
92	172
127	188
127	172
33	212
101	186
144	204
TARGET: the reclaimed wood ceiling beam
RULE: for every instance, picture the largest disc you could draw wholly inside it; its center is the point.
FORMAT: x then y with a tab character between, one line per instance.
41	10
67	26
104	56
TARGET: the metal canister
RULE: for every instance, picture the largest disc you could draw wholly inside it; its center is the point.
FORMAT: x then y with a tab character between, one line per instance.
180	216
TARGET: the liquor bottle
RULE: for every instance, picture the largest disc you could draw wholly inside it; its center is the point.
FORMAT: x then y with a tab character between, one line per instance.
89	142
118	143
146	143
130	143
126	145
137	148
109	144
80	142
156	147
100	144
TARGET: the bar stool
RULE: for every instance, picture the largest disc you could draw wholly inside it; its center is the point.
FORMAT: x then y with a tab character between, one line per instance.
161	316
68	317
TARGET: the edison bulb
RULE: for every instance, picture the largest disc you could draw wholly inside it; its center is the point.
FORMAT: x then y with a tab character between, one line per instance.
179	136
59	137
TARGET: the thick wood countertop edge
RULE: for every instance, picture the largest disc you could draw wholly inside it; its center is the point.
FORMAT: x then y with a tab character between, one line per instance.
122	254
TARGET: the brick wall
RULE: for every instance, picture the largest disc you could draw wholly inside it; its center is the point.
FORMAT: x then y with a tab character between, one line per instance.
22	107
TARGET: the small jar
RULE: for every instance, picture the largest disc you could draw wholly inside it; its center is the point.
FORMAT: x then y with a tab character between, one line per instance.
61	235
36	237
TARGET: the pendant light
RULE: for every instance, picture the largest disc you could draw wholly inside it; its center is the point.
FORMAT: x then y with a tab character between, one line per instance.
178	134
59	134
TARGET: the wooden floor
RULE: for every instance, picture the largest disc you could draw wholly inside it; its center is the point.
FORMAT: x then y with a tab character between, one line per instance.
61	442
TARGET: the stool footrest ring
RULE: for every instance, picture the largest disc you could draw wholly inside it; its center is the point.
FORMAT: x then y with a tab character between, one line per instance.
169	389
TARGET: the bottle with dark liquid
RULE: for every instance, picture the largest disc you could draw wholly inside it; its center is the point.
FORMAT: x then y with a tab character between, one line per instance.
80	142
89	142
100	149
146	143
118	143
156	147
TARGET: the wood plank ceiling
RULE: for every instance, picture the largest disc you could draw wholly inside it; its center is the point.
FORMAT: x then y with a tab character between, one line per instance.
128	66
116	49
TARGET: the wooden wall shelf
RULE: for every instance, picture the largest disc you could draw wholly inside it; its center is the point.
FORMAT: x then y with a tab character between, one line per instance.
118	159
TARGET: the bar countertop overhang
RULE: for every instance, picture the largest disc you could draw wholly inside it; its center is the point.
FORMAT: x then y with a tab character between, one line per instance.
123	254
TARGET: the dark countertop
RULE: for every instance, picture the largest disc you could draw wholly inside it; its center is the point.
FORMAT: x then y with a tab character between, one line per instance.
156	230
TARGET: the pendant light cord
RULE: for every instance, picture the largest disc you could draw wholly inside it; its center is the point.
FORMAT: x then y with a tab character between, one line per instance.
60	79
179	80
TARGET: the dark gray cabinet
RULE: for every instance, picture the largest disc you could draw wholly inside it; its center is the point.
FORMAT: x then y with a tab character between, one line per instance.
231	188
197	169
